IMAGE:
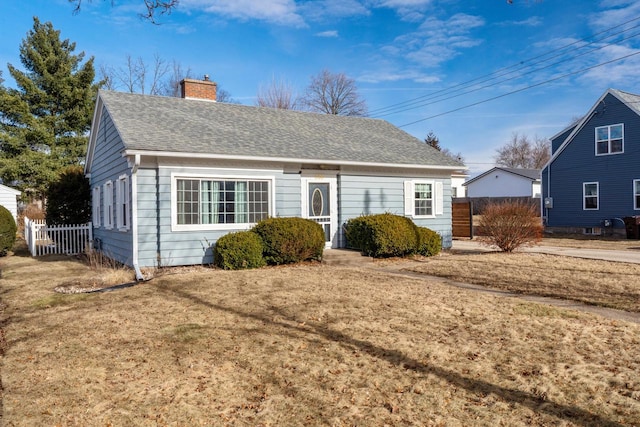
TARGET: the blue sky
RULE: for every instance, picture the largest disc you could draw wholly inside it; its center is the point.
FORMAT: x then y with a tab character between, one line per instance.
438	56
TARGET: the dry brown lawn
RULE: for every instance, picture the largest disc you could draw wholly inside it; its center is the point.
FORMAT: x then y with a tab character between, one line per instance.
304	345
607	284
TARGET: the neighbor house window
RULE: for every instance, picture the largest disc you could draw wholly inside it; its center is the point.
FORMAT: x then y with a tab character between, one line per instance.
610	139
423	198
122	202
590	192
108	205
636	193
218	201
95	207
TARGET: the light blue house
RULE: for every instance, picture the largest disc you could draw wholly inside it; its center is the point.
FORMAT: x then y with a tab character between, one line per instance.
592	180
171	175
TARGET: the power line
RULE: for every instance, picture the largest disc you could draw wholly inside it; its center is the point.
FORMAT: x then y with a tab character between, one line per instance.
524	88
425	103
421	100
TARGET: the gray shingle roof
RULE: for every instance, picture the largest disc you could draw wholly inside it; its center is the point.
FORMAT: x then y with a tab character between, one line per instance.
154	123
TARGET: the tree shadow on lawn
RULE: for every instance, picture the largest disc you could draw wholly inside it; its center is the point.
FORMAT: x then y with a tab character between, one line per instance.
560	411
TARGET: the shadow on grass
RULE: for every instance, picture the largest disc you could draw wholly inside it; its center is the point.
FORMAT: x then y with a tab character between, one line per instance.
562	412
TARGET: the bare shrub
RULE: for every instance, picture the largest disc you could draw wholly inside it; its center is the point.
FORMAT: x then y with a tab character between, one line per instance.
510	225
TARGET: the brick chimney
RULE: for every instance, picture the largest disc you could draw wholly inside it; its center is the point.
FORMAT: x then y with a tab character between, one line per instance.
199	89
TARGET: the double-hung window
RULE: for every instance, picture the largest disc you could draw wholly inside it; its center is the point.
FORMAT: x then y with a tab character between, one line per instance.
108	205
95	207
636	194
423	199
590	193
205	201
610	139
122	202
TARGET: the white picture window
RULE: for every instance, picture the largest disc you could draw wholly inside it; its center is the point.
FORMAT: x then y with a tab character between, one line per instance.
609	139
636	194
213	203
95	207
108	205
423	199
590	196
122	203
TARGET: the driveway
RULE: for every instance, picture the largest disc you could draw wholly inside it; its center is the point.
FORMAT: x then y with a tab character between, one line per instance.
629	256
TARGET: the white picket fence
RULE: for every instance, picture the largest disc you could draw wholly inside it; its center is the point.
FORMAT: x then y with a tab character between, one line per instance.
43	239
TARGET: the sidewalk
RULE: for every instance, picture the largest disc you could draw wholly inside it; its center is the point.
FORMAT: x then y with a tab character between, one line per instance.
629	256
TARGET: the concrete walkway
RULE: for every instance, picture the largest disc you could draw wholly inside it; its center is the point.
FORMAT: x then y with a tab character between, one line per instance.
401	269
630	256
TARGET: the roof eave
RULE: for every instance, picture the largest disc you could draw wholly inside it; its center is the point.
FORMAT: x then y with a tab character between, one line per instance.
290	160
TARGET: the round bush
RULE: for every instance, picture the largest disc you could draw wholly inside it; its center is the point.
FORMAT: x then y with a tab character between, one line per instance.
237	251
429	242
290	240
382	235
8	231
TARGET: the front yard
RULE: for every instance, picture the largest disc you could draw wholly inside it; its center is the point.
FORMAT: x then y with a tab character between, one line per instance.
308	345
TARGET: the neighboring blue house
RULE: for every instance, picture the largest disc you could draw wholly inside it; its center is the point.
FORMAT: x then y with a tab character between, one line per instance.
592	180
171	175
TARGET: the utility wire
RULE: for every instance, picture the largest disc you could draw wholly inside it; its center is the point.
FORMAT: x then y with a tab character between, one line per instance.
524	88
509	69
425	102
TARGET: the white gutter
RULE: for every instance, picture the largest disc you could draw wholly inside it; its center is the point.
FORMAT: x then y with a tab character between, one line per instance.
286	160
134	216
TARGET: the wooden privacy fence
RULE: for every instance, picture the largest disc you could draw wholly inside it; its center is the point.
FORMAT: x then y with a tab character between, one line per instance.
43	239
462	219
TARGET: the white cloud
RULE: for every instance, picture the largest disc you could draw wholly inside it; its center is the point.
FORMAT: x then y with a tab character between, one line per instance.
322	10
282	12
379	76
615	13
330	33
534	21
437	41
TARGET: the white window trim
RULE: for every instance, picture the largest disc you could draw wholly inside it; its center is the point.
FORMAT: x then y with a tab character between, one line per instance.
608	153
214	227
108	205
584	196
95	205
437	189
633	190
123	200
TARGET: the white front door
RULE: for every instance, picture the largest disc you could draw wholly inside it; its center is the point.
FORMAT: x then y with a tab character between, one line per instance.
319	203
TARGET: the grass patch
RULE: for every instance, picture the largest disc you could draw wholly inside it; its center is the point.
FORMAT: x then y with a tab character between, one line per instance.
306	345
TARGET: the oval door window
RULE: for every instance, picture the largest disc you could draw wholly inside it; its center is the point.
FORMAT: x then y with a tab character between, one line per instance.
317	202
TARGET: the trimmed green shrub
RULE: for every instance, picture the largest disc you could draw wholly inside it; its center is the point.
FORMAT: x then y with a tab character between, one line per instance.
429	242
238	251
290	240
382	235
8	230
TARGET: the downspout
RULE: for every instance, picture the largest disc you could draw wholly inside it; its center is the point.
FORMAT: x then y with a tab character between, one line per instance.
134	216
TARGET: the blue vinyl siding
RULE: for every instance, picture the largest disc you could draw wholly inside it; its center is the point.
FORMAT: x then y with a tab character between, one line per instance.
563	179
108	164
364	194
159	245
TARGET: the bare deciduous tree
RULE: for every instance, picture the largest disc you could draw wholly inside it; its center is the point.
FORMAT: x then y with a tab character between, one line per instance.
278	94
171	86
334	94
521	152
136	76
154	7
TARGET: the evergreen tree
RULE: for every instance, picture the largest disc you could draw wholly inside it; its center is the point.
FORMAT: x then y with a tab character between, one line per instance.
44	122
433	141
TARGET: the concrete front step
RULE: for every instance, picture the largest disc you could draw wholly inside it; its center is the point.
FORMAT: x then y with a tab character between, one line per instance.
345	257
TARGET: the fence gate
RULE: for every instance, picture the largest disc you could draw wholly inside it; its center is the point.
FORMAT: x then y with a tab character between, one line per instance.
462	219
43	239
